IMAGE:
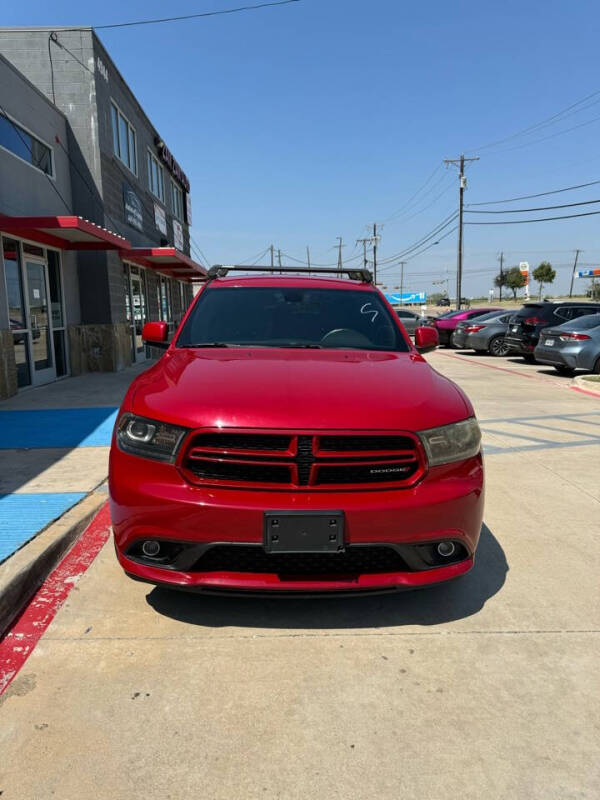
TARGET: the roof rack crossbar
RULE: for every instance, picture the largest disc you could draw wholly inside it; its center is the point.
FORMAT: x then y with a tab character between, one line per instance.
354	273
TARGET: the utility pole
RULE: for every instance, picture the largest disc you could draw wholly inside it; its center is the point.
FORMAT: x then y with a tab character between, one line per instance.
501	273
279	259
375	253
402	263
271	249
573	273
460	162
364	244
308	258
340	266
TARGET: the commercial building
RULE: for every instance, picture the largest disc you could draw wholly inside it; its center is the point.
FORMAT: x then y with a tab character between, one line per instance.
94	213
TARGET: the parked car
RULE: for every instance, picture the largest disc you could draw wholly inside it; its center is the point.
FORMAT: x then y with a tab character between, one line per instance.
467	326
488	335
410	319
446	323
444	301
292	439
526	325
572	345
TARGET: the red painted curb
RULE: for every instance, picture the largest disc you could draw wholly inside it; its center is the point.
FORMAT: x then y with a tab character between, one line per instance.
20	641
585	391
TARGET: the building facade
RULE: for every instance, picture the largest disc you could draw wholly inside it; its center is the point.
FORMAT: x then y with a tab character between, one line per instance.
75	143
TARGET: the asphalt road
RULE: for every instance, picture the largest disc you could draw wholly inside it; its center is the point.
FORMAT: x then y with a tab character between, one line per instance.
484	688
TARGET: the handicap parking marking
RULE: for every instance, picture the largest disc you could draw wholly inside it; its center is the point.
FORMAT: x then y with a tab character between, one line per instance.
56	428
22	516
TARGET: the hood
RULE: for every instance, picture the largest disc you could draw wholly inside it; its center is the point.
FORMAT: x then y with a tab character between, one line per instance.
299	389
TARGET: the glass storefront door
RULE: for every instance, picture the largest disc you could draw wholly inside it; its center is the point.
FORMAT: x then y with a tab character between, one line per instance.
42	350
135	309
35	309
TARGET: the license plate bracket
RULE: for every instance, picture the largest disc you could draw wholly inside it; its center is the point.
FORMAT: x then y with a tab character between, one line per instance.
301	532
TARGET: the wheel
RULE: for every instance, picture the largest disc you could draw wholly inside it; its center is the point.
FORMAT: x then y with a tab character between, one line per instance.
498	347
528	358
597	367
563	370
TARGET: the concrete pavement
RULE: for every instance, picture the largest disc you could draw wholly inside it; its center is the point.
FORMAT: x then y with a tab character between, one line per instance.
483	688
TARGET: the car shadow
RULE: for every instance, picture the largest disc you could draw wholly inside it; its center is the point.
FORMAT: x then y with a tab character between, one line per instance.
444	603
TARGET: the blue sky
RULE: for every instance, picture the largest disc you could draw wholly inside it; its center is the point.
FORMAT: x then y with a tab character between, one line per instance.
306	122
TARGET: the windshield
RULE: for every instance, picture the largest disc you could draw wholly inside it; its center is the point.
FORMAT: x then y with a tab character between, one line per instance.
291	317
489	316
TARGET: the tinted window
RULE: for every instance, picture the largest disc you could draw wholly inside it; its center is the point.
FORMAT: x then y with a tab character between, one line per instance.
449	314
489	315
292	317
405	314
533	309
582	323
16	139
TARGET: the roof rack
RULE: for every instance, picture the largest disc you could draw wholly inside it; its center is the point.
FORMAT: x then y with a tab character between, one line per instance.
355	274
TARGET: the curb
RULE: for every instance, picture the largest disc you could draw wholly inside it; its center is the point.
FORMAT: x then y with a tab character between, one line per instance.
25	571
586	387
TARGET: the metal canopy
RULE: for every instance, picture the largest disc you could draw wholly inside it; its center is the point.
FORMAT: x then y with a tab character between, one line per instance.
65	233
167	260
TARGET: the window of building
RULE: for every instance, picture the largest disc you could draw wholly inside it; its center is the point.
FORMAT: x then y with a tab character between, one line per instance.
124	138
156	180
177	200
25	145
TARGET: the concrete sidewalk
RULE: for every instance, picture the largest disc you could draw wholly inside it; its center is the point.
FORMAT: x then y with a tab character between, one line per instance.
54	445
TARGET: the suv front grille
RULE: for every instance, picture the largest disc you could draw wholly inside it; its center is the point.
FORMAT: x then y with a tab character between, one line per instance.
297	461
353	561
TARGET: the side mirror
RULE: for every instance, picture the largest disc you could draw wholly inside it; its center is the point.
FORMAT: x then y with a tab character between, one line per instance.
426	339
156	334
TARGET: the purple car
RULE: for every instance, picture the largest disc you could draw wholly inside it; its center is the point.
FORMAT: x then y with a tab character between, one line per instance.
446	323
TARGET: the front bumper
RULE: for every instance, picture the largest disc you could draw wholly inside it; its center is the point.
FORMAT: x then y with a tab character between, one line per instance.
150	500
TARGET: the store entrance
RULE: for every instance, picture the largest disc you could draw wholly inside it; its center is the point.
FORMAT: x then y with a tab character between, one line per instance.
136	309
35	311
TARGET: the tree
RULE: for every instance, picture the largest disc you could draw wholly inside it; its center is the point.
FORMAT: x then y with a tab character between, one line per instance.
544	274
515	280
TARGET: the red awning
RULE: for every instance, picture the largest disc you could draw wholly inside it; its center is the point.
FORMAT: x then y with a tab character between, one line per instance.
167	260
66	233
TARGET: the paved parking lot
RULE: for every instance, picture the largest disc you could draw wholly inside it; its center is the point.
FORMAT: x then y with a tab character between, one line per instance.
484	688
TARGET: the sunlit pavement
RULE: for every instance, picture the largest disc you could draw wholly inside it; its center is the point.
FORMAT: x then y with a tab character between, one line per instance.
484	688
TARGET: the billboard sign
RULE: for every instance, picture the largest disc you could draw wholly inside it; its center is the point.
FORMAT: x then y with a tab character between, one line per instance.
406	298
588	273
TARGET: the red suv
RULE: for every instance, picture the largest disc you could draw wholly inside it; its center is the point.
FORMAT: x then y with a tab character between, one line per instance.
293	439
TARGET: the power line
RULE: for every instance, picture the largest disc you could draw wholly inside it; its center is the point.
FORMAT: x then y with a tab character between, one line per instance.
536	125
545	138
538	208
539	219
412	197
414	255
440	227
531	196
191	16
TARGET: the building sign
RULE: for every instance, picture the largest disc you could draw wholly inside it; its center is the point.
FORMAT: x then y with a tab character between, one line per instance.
178	235
406	298
134	213
188	208
172	165
588	273
160	219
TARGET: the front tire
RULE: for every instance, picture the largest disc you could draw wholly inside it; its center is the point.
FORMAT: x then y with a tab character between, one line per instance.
528	358
498	347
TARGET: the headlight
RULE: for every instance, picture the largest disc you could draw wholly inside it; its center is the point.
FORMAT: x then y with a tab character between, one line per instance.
149	438
451	442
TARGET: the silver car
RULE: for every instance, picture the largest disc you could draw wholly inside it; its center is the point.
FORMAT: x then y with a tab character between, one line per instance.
486	334
410	319
572	345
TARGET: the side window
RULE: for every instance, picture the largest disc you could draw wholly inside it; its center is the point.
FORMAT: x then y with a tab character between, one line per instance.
124	138
565	313
403	314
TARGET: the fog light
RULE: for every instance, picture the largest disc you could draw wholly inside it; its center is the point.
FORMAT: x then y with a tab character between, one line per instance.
151	548
446	549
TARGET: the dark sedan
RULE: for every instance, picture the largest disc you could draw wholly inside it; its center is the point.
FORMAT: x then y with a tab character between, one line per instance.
573	345
527	324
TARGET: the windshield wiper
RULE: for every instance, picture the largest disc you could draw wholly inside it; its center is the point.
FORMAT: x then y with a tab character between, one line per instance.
298	346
